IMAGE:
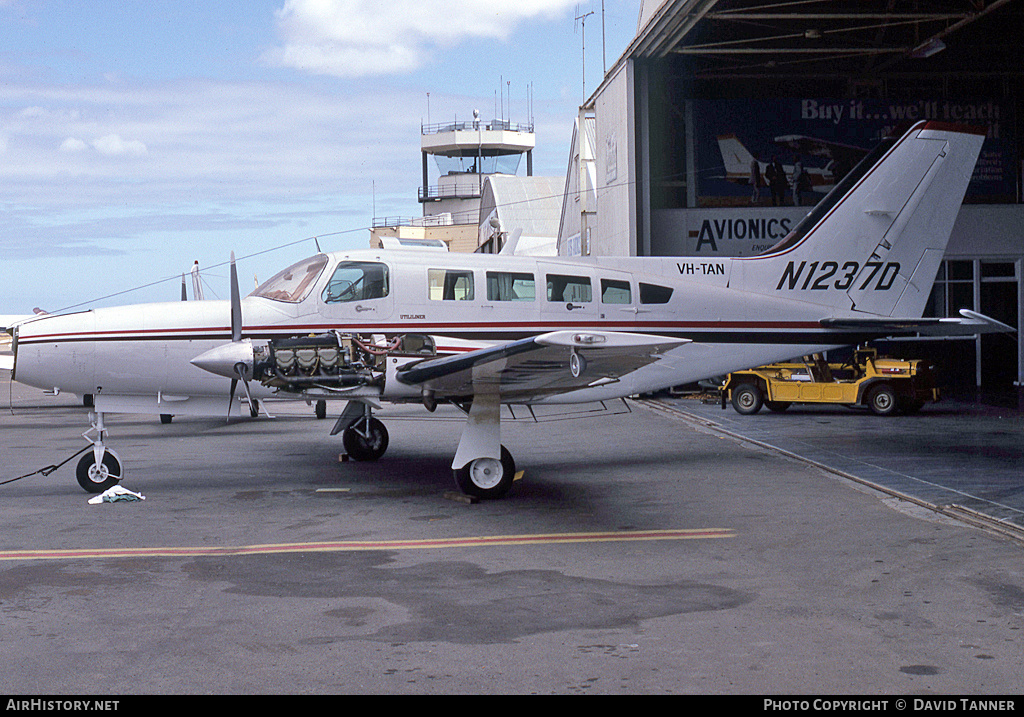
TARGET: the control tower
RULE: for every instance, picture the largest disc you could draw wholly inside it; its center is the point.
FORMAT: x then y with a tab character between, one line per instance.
465	153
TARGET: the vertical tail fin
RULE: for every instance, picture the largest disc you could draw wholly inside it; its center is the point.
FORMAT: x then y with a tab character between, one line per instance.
874	243
735	157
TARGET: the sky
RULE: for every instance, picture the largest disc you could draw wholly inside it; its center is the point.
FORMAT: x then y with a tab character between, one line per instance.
138	137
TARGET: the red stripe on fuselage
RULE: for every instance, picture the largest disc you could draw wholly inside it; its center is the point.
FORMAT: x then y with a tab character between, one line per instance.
527	327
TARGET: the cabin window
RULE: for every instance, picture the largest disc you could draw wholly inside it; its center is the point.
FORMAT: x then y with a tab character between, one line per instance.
614	291
510	286
654	294
450	284
294	283
569	288
357	281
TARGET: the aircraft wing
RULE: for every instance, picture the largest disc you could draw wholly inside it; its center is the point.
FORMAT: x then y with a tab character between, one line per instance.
968	324
551	363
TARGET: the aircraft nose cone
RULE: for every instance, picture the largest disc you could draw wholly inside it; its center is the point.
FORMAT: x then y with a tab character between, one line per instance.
221	360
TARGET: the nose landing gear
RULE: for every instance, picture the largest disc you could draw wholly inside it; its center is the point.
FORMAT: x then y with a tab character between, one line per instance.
100	468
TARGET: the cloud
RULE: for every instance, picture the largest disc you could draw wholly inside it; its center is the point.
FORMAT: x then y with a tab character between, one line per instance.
73	144
178	143
113	146
110	145
357	38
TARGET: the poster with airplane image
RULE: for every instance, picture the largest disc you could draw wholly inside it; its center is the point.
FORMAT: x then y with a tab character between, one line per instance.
791	152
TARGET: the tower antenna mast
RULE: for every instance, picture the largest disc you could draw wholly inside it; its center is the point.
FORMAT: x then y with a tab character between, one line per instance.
581	22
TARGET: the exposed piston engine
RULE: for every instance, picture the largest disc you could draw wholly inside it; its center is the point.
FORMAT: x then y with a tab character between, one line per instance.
333	359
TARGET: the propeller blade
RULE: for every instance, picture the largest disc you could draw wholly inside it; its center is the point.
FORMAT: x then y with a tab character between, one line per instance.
236	303
231	396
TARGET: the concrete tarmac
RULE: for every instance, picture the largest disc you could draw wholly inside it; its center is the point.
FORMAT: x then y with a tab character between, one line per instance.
963	459
260	563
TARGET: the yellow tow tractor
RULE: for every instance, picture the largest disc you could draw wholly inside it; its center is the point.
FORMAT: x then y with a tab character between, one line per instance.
885	385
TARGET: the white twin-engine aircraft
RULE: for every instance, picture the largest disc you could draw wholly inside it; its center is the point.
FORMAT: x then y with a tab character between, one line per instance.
481	330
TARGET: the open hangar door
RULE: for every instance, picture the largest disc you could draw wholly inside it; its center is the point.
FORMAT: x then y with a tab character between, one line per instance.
723	87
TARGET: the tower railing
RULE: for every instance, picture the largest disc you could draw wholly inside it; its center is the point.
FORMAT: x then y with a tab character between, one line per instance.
474	125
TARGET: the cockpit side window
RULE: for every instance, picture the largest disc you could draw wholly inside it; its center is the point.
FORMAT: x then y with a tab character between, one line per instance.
357	281
294	283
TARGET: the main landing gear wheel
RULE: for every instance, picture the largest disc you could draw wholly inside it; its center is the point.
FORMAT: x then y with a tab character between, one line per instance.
365	440
97	478
487	477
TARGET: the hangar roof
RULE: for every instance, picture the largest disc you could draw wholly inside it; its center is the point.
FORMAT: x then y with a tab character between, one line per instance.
533	204
826	38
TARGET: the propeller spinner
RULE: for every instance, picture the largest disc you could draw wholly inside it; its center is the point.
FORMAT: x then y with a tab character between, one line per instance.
233	360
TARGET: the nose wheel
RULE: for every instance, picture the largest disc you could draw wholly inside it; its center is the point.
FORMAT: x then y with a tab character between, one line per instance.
97	477
100	468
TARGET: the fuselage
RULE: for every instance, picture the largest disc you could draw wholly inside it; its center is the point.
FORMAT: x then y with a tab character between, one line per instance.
462	301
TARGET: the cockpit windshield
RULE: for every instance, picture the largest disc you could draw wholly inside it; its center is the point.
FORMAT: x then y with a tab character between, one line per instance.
293	284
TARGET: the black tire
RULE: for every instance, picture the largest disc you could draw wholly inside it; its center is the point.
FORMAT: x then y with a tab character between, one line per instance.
367	447
747	399
97	480
320	409
883	401
487	478
166	418
777	406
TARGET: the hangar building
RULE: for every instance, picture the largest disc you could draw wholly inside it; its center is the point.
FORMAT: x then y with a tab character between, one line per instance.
711	91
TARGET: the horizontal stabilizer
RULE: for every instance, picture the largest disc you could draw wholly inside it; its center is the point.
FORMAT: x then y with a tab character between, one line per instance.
968	324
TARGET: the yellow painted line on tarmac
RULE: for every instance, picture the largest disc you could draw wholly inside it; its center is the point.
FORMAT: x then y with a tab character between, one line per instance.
366	545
